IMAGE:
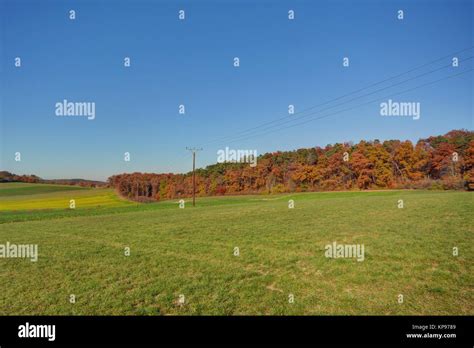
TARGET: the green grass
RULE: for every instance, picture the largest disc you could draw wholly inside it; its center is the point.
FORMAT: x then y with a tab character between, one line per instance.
23	189
190	251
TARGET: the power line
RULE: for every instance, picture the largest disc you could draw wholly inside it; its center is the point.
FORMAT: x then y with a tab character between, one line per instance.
244	136
355	98
293	118
356	106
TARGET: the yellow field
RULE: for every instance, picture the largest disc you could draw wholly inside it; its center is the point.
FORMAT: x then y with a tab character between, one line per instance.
29	197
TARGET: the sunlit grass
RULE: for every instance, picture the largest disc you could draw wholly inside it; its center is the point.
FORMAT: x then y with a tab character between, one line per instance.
45	197
190	251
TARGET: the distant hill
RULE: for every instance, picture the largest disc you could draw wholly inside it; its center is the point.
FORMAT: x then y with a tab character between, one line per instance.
6	176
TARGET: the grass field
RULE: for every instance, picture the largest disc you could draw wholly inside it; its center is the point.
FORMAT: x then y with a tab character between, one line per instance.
24	197
190	252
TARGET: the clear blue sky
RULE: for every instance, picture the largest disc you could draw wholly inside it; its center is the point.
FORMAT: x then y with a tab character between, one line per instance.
191	62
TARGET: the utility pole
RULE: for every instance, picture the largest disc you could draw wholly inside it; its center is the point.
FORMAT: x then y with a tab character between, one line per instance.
194	150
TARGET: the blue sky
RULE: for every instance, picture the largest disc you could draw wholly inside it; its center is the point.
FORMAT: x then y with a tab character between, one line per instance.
190	62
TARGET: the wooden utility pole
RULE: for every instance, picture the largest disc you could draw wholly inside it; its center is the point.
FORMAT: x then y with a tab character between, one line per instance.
194	150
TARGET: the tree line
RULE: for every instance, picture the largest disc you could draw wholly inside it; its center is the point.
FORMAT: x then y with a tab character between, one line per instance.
438	162
6	176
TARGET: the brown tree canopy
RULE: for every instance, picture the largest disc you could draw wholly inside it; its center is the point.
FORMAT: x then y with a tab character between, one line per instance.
439	162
